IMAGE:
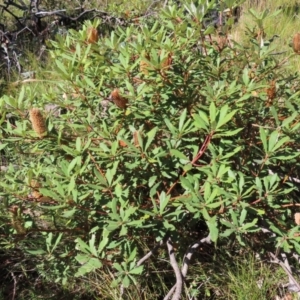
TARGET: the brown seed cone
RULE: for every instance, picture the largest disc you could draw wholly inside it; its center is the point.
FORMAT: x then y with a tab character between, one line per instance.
18	225
297	218
144	67
36	195
135	139
167	62
222	42
120	101
14	210
296	43
16	220
35	185
271	92
92	35
122	144
38	122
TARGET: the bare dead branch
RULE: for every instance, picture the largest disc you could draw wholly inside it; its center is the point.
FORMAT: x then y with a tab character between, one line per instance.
286	267
12	14
23	6
15	285
174	264
149	254
187	260
190	252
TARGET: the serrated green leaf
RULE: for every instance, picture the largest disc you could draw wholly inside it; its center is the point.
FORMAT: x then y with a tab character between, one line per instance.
212	112
178	154
263	138
137	270
226	118
213	228
92	247
36	252
151	135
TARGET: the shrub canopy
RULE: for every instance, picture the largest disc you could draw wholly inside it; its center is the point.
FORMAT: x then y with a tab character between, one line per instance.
165	131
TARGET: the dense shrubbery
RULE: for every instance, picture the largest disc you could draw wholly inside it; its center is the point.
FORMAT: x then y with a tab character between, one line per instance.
165	134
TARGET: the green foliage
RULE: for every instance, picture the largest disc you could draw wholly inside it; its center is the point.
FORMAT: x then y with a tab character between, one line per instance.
209	136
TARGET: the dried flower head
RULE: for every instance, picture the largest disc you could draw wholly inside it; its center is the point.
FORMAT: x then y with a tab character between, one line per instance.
16	219
92	35
136	139
118	99
297	218
122	144
296	43
14	210
144	67
35	185
166	63
36	195
38	122
271	92
144	64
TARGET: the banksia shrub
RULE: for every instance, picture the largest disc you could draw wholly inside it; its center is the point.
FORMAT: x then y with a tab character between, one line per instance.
198	158
120	101
92	35
296	43
38	122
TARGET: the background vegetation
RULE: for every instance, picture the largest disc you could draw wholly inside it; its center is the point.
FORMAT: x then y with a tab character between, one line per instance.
150	152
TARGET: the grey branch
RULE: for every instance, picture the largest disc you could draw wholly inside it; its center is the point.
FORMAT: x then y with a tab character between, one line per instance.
286	267
190	252
174	264
186	261
149	254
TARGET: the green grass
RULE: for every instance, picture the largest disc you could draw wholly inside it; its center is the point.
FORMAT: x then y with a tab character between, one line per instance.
285	25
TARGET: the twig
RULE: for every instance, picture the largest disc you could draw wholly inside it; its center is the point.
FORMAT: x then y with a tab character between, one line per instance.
179	281
286	267
149	254
15	285
190	252
195	159
142	260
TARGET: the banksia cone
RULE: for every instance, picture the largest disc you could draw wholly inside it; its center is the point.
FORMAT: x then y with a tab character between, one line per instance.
35	185
271	92
122	144
16	220
120	101
92	35
167	62
144	65
38	122
135	139
296	43
222	43
297	218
